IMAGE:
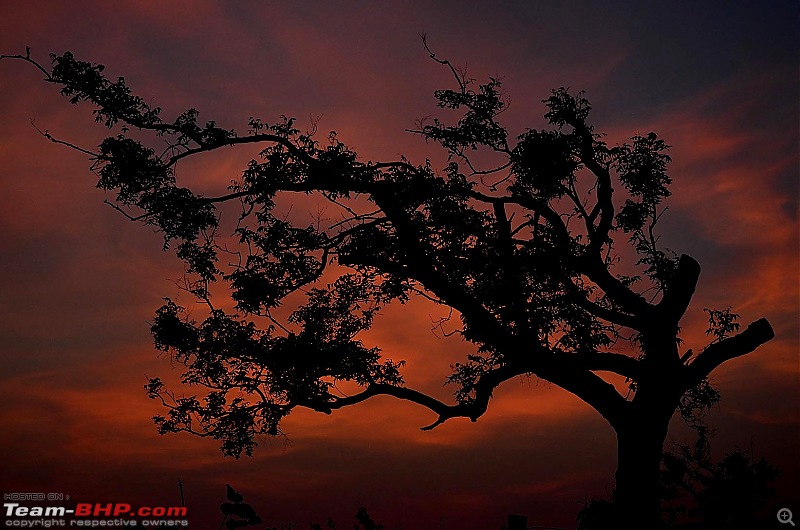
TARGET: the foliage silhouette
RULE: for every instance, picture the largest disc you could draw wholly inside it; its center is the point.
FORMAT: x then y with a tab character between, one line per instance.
727	494
237	513
523	252
724	495
361	521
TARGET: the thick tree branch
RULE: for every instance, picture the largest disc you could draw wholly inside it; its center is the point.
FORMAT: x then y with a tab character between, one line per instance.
574	378
509	271
421	266
572	373
608	362
714	355
589	264
382	389
605	203
605	313
569	374
680	290
594	267
538	206
588	221
630	301
473	410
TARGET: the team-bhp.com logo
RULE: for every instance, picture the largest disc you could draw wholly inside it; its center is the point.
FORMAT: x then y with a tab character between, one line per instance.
94	515
94	510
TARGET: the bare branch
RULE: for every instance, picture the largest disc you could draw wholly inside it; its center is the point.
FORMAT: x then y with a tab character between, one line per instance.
55	140
27	58
238	140
459	75
126	214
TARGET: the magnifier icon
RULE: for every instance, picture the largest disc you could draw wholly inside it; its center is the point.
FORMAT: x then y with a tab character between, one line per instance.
785	516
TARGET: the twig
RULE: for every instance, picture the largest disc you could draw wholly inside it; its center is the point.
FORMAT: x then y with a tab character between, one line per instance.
27	58
55	140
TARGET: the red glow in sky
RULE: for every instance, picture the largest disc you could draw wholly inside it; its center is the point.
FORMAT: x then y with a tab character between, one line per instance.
79	282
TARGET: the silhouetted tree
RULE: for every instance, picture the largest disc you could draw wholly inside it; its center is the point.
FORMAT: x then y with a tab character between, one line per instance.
524	253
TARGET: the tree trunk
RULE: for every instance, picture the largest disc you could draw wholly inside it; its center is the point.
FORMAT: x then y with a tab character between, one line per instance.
637	496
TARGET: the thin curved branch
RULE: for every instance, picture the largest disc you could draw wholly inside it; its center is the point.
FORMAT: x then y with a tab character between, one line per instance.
444	410
224	198
459	76
55	140
492	170
27	58
237	140
126	214
473	410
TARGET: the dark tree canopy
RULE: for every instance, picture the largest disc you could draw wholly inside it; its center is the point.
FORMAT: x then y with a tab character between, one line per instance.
528	254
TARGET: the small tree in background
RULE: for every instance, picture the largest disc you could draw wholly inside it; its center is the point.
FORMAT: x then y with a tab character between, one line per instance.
524	253
727	494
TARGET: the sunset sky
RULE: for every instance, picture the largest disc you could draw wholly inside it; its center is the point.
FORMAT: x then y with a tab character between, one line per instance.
717	80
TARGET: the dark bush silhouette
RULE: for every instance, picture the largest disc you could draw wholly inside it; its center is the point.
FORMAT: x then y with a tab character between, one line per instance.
728	494
597	514
724	495
522	252
237	513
